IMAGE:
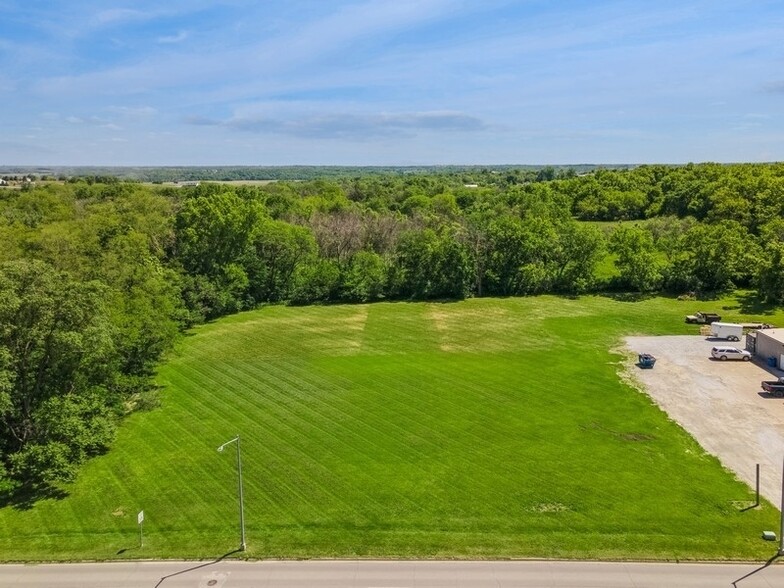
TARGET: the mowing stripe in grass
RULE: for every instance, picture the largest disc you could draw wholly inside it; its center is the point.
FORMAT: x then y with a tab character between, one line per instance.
332	424
406	429
269	428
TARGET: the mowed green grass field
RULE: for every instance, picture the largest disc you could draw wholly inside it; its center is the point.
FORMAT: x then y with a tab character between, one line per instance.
479	429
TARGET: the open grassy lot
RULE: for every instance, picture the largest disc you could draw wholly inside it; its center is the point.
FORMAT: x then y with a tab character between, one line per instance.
485	428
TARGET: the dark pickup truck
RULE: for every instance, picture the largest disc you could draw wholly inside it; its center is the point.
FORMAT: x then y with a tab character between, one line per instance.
775	387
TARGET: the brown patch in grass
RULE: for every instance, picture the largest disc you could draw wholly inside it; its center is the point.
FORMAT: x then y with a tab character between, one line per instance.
636	437
549	507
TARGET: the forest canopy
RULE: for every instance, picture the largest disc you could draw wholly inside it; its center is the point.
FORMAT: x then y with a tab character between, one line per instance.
98	276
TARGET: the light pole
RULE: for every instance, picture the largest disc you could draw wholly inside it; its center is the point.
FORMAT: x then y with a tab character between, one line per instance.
781	530
239	485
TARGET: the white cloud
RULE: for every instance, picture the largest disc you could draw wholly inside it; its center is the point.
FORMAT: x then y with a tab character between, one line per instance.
173	39
351	126
302	47
132	112
117	15
568	80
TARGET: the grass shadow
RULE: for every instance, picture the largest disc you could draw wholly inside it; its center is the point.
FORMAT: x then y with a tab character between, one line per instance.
630	296
22	498
198	567
708	296
750	303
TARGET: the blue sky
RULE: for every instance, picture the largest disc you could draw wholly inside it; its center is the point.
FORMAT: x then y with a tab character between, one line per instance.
390	82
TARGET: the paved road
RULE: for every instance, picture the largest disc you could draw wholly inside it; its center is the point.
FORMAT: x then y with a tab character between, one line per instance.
390	574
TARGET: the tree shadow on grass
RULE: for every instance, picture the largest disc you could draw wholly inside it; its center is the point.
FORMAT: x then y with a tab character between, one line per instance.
759	569
197	567
630	296
22	498
750	303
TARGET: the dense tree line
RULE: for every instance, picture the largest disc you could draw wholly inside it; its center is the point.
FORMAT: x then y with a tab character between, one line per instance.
160	174
98	276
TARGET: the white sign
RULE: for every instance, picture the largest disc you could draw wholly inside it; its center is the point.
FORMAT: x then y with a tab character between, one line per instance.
140	517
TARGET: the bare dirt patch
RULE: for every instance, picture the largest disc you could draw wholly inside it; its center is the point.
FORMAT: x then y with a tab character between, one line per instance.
720	403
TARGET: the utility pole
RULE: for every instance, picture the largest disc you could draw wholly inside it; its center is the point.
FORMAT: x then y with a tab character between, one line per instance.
781	530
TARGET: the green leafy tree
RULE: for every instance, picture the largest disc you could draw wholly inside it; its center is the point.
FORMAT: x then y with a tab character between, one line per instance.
58	363
365	278
714	257
431	265
507	248
770	272
637	258
418	204
275	251
213	231
453	267
522	255
575	255
769	275
316	281
143	301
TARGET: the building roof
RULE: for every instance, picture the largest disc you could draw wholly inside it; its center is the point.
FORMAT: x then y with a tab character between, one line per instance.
775	334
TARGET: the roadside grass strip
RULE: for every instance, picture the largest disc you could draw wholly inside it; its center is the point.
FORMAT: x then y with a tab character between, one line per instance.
479	429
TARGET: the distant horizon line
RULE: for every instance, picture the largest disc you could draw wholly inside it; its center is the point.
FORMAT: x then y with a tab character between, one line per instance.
4	167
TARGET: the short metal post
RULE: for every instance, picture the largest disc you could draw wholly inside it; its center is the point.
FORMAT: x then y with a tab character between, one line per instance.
140	521
757	503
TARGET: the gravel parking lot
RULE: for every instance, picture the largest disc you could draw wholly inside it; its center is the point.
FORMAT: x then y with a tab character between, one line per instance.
720	403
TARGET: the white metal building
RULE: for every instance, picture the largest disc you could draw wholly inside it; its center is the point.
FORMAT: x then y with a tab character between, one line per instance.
767	343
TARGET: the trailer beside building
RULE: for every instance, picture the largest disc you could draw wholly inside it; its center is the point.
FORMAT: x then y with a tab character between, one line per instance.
728	331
